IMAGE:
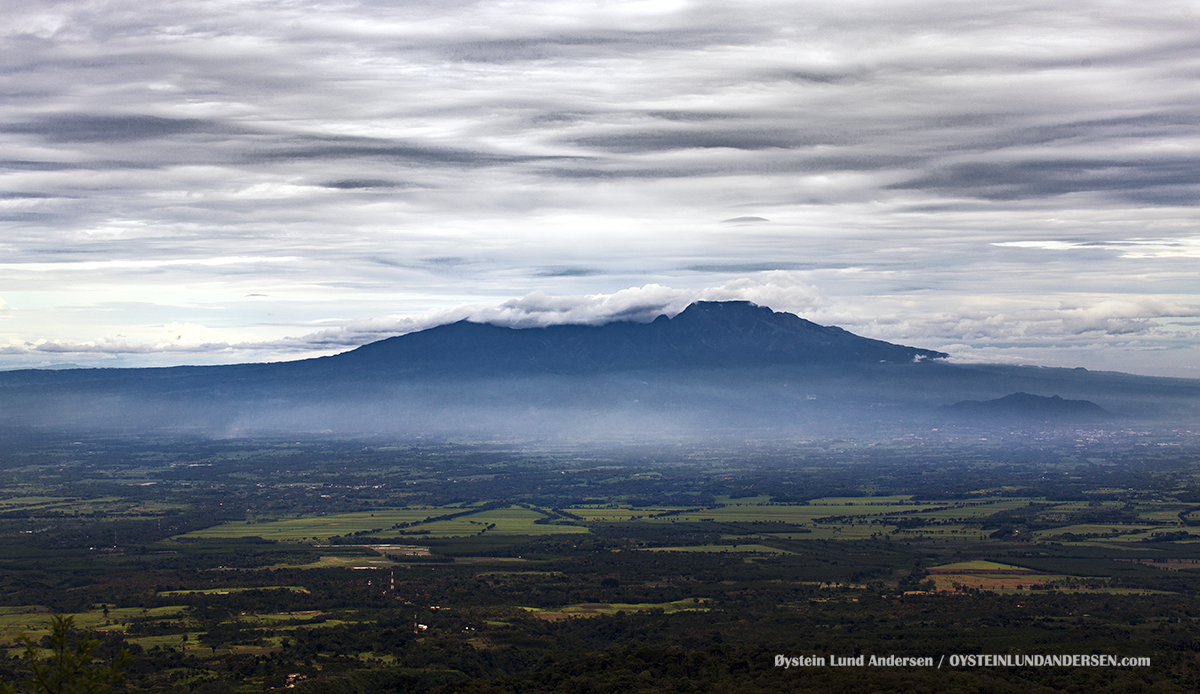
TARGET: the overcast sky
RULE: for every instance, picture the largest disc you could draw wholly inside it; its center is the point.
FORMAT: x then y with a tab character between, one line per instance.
224	181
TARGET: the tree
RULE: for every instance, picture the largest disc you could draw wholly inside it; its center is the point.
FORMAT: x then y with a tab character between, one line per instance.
68	667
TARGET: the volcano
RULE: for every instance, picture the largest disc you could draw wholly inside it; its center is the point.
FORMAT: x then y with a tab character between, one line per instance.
715	367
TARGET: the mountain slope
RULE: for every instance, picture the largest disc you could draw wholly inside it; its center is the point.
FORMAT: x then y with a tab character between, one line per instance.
706	334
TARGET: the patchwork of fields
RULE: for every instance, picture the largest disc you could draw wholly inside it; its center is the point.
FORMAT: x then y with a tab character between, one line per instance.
842	518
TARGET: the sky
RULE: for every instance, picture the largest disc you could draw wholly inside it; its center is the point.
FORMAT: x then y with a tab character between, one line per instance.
233	181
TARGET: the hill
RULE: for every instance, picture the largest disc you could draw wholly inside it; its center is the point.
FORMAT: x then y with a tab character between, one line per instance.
1028	406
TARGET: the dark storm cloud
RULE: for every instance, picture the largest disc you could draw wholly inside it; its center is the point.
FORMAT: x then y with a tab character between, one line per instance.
1159	181
25	196
75	127
25	165
362	183
380	150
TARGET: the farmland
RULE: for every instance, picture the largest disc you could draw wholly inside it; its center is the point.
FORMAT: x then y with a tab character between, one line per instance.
846	518
244	565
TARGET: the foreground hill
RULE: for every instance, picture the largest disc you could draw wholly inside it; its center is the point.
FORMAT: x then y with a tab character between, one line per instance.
717	366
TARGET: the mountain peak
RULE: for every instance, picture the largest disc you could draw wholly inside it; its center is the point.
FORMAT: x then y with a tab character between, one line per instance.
725	308
728	313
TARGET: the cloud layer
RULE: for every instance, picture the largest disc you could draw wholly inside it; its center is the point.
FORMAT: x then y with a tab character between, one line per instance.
1009	182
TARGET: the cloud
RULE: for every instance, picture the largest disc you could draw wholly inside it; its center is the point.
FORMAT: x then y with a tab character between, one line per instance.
1159	180
537	309
362	183
1111	317
1122	317
75	127
962	172
1127	248
779	290
85	265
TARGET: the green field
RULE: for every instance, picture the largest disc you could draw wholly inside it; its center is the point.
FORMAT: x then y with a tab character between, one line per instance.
514	520
324	526
34	620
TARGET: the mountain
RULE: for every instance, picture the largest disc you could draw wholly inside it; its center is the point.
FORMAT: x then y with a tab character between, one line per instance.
715	367
1027	406
705	334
